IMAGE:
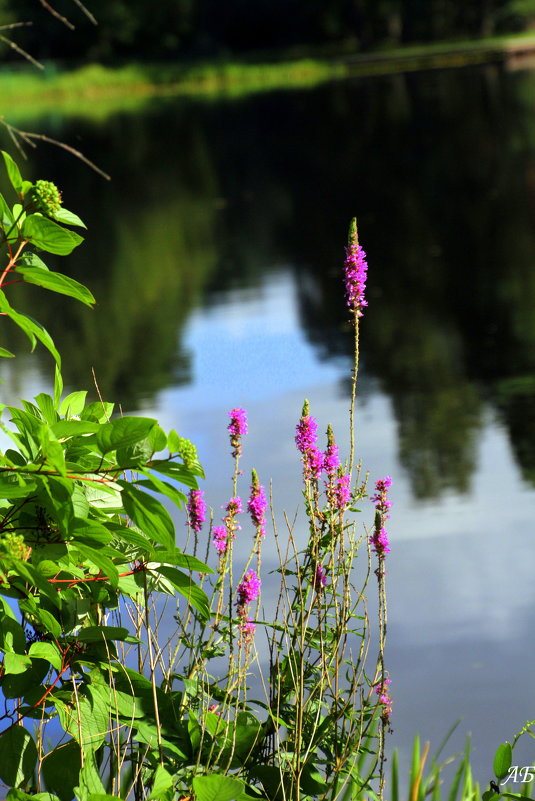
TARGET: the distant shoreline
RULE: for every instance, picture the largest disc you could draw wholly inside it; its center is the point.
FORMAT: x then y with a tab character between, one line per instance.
29	91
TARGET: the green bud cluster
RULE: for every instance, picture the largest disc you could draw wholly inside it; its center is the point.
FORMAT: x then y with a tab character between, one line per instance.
15	546
187	451
46	197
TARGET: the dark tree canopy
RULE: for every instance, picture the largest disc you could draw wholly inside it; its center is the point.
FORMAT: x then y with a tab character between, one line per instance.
134	29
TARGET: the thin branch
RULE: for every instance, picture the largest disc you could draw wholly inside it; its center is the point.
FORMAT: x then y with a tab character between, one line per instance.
29	136
57	15
21	51
86	11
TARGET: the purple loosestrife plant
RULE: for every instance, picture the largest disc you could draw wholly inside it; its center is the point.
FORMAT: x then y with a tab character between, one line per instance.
237	429
196	509
381	689
379	538
220	539
248	589
356	272
320	579
306	438
342	490
331	459
257	505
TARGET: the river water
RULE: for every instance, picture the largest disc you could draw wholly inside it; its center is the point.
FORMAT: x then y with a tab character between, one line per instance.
215	254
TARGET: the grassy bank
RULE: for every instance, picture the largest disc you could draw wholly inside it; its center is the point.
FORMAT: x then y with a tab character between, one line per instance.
24	87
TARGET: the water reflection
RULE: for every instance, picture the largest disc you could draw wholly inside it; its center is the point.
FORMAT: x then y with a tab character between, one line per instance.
439	167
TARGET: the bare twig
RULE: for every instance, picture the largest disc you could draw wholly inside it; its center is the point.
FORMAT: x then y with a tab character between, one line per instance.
20	50
57	15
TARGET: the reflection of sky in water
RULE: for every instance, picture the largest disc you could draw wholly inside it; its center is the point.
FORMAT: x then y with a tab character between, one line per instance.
460	588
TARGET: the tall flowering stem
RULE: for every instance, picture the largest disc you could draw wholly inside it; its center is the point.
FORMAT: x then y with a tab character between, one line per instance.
355	274
237	429
379	543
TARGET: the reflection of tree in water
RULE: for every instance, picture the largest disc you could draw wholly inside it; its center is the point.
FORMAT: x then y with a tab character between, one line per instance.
439	169
149	250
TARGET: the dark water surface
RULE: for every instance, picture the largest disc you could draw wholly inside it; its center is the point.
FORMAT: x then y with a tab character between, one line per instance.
215	256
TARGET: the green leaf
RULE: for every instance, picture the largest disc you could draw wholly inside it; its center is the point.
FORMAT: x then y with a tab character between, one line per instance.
100	633
31	327
6	353
18	756
16	663
13	172
217	788
90	782
154	483
87	719
48	651
6	217
47	235
101	561
148	514
73	403
64	429
502	760
56	282
61	769
122	432
68	218
186	587
161	782
58	385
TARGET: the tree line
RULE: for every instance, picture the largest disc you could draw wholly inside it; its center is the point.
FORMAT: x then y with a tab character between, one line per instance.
134	29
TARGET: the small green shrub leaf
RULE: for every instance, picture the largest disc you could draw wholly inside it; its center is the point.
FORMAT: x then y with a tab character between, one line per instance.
6	353
16	663
68	218
100	633
13	172
47	235
148	514
161	782
61	768
217	788
123	432
57	282
48	651
502	760
18	756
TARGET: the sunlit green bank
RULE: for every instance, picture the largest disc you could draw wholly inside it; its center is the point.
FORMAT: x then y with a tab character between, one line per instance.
77	90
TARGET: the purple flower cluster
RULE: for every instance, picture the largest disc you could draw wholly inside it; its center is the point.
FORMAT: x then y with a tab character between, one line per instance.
247	628
196	509
306	434
220	539
342	490
233	507
237	428
225	534
320	579
306	437
331	460
379	539
249	589
356	271
384	698
257	505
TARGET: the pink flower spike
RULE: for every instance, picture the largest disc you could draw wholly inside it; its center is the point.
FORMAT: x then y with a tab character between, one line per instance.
196	509
220	539
356	270
249	589
257	505
237	429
